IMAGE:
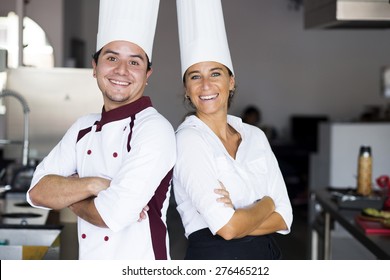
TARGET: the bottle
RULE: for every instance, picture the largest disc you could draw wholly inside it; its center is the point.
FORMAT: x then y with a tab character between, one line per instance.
364	180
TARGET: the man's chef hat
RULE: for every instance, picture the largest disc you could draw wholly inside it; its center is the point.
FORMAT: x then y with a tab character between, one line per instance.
128	20
202	34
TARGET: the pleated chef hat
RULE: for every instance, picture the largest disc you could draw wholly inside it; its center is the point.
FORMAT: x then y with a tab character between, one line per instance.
128	20
202	34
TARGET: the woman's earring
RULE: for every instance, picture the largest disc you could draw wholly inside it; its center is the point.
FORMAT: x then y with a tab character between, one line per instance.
231	93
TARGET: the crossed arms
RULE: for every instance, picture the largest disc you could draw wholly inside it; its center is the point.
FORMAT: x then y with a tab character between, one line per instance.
257	219
58	192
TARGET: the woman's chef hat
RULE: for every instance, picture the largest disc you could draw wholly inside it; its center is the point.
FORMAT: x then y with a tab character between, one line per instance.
202	34
128	20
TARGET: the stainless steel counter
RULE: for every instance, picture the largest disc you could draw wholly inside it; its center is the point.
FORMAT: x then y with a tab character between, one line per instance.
379	245
30	242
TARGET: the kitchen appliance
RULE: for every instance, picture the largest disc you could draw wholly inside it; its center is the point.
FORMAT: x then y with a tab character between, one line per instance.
347	14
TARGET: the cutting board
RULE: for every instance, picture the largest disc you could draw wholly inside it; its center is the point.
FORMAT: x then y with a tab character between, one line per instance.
372	226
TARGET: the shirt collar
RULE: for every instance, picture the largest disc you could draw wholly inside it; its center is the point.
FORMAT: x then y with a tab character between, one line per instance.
194	121
125	111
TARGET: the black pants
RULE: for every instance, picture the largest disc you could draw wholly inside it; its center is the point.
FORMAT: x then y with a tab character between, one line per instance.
203	245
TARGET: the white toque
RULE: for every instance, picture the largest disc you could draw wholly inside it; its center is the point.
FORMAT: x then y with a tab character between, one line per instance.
202	34
128	20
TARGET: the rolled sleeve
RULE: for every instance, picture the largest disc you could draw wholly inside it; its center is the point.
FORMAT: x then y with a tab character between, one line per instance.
195	178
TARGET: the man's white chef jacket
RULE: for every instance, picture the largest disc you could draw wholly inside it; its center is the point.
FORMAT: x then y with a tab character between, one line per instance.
134	147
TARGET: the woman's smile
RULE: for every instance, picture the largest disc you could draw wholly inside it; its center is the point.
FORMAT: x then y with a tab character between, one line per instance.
208	97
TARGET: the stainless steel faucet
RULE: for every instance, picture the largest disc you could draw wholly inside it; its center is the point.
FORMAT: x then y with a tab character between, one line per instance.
26	111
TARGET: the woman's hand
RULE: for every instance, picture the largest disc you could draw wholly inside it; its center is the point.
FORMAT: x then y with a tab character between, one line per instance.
142	215
225	196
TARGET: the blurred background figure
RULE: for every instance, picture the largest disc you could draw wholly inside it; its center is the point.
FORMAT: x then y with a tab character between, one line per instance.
252	115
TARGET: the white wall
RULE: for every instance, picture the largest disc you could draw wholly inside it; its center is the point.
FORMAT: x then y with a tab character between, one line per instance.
55	97
49	15
81	22
336	162
280	67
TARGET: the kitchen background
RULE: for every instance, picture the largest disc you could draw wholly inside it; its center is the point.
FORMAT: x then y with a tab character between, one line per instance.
296	76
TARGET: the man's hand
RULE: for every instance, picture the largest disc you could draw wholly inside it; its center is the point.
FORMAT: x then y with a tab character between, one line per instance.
98	184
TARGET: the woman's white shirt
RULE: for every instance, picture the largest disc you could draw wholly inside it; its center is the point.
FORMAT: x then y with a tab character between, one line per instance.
203	162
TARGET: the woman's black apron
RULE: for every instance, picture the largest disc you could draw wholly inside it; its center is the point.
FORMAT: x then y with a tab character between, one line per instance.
203	245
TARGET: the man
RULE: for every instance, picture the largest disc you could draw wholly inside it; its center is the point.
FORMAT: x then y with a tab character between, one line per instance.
108	166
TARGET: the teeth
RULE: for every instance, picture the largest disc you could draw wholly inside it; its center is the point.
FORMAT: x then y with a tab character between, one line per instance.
120	83
208	97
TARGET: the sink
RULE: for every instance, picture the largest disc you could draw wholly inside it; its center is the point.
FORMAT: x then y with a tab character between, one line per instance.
17	211
31	242
18	218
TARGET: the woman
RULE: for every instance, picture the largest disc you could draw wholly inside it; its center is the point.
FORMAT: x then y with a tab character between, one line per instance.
230	192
